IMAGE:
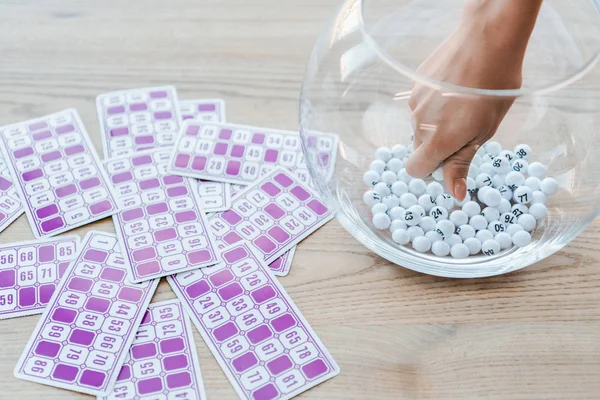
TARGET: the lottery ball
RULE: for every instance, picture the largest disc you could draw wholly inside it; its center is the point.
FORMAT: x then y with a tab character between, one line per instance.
474	245
453	239
504	240
378	166
538	197
444	228
549	186
381	221
537	169
533	183
399	188
408	200
514	179
379	208
538	211
370	198
397	224
440	248
527	221
508	218
491	214
389	177
438	213
391	201
483	179
426	201
460	251
421	244
514	228
504	206
445	200
417	187
492	198
434	189
395	165
520	165
404	176
501	165
478	222
490	247
397	213
382	189
493	148
433	236
471	208
521	239
496	227
371	178
383	153
427	224
399	151
414	232
401	237
523	151
466	231
523	195
459	218
484	235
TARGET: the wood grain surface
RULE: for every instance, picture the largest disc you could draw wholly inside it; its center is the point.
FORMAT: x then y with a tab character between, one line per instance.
396	334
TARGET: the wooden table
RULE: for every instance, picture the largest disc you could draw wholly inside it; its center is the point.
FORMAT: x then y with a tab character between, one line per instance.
396	334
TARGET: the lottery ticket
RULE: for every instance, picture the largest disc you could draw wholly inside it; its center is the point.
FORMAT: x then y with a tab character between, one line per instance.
240	154
273	214
210	110
255	331
56	171
138	119
86	330
30	272
161	226
214	196
162	362
10	205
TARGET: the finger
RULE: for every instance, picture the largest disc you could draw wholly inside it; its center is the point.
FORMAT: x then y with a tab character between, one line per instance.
456	170
431	153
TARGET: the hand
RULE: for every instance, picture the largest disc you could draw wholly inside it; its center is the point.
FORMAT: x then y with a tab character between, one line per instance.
484	53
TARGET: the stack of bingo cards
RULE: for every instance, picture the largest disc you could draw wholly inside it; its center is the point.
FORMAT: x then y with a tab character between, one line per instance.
216	208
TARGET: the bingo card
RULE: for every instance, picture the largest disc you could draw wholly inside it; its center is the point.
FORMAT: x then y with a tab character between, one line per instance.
255	331
240	154
161	226
211	110
162	362
10	205
138	119
214	196
30	271
56	170
83	337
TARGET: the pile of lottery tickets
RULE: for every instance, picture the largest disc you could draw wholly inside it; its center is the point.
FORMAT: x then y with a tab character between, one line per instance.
214	207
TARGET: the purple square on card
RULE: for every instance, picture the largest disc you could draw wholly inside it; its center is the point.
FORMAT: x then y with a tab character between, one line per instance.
300	193
283	180
192	130
112	274
197	289
47	211
130	294
271	155
80	284
220	149
182	160
221	278
140	351
312	141
97	304
161	94
31	175
115	110
124	374
270	189
234	255
65	129
267	392
74	150
258	138
165	234
46	254
27	296
237	151
278	234
232	238
138	107
149	268
233	168
180	379
54	155
199	163
231	217
27	151
259	334
46	292
121	131
65	372
4	183
101	207
84	338
283	323
147	318
177	191
7	279
265	244
92	378
89	183
144	254
245	362
225	134
175	362
141	160
163	115
151	385
149	184
172	179
206	107
263	294
158	208
186	216
52	224
225	331
198	257
172	345
230	291
64	315
42	135
95	255
318	207
37	126
315	369
132	214
280	364
274	211
47	349
323	159
66	190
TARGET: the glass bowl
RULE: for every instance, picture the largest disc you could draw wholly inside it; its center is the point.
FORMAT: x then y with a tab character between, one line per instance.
360	76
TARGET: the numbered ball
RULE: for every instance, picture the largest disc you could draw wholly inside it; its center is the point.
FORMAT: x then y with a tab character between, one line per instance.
397	224
474	245
426	201
501	165
504	240
371	178
370	198
460	251
527	221
483	179
383	153
498	180
408	200
523	151
378	166
453	239
444	228
459	218
415	232
440	248
399	188
471	187
395	165
445	200
538	210
427	224
519	209
491	214
466	231
433	236
504	206
397	213
521	239
506	192
522	195
421	244
514	179
478	222
484	235
404	176
411	218
438	213
490	247
512	229
434	189
537	169
401	237
481	193
496	227
438	174
379	208
471	208
493	148
391	201
381	221
538	197
549	186
493	197
533	183
389	177
382	189
520	166
399	151
509	155
417	187
508	218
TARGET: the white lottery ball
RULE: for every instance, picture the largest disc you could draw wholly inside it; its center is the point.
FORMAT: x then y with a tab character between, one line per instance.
519	209
404	176
549	186
399	188
501	165
523	151
427	224
391	201
478	222
509	155
492	198
504	240
389	177
471	186
421	244
466	231
383	153
459	218
476	160
474	245
496	227
471	208
506	192
440	248
399	151
417	187
527	221
444	228
514	179
381	221
401	237
382	189
434	189
379	208
523	195
537	169
484	235
438	213
483	179
433	236
371	178
427	202
378	166
415	232
411	218
397	213
504	206
417	209
538	210
508	218
460	251
397	224
514	228
460	203
486	169
445	200
538	197
438	174
481	193
493	148
491	214
370	198
473	171
498	180
453	239
521	239
490	247
395	165
488	159
520	166
408	200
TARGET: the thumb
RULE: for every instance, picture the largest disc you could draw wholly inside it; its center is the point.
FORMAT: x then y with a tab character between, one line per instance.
456	170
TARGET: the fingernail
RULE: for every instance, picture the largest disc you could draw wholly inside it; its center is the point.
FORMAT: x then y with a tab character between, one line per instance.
460	189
